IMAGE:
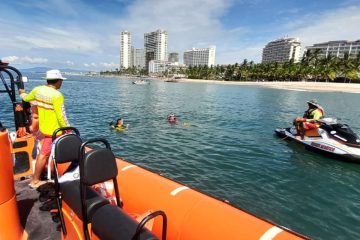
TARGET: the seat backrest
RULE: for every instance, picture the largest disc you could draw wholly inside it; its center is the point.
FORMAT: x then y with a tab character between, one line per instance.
67	148
97	166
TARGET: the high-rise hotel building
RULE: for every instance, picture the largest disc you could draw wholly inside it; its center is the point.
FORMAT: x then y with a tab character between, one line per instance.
337	48
282	50
200	56
173	57
138	57
156	46
125	49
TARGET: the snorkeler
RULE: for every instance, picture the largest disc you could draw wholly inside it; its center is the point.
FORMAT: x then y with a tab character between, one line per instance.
171	119
119	126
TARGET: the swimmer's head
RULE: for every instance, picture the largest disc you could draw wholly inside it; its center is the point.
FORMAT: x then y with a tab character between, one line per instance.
119	121
171	118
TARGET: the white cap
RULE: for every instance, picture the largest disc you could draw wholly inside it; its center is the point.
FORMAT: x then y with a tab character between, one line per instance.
54	75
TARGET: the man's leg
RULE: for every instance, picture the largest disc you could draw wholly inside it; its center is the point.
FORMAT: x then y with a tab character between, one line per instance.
39	167
302	130
41	160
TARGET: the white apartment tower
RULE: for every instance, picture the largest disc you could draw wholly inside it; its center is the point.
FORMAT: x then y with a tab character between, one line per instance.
282	50
156	44
200	56
337	48
125	50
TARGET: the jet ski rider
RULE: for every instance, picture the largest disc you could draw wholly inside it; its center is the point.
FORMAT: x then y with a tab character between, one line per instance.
308	121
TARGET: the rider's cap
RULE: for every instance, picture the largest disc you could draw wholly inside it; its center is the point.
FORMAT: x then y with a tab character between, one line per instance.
313	102
54	75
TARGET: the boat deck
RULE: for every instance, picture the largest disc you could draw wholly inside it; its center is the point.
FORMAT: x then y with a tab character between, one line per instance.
38	224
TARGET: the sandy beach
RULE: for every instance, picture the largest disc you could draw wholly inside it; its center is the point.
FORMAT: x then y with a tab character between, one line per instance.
295	86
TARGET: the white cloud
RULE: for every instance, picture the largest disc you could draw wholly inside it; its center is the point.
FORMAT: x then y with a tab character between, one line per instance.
109	65
70	63
188	22
59	42
340	24
56	31
102	65
251	53
54	6
25	60
90	64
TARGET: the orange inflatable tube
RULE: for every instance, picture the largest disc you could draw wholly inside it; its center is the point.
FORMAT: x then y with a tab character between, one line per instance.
191	214
10	227
73	223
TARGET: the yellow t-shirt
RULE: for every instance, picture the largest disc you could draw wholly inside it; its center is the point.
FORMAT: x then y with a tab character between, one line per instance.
50	104
315	115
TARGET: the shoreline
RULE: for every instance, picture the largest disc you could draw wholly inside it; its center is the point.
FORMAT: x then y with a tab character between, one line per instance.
291	86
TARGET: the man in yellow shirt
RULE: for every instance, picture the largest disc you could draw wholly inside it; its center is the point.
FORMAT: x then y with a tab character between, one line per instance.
51	114
308	121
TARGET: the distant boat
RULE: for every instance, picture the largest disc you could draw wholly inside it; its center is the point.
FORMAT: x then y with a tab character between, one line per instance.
141	82
173	80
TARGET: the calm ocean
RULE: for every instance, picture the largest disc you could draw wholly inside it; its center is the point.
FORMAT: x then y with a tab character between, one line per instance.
225	145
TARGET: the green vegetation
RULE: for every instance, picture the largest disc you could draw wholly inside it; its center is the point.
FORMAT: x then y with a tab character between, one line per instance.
128	71
310	68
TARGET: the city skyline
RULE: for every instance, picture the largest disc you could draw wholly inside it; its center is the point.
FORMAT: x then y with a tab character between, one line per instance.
85	34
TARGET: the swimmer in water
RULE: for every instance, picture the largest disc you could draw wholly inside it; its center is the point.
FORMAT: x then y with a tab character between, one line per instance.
171	119
119	125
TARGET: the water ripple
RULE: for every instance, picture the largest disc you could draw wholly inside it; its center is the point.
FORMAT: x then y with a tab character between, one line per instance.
224	145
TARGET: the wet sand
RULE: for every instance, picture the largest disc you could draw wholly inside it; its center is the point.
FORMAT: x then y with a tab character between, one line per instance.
295	86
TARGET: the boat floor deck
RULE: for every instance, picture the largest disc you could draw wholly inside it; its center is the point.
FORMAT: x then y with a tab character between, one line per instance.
38	224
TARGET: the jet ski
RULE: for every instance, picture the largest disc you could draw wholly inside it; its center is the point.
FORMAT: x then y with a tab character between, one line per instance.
331	138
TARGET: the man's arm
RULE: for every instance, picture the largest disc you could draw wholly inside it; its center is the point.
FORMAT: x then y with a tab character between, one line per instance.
27	97
316	116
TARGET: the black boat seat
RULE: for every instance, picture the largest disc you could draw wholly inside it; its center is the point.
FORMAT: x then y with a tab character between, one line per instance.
67	148
99	165
112	223
70	193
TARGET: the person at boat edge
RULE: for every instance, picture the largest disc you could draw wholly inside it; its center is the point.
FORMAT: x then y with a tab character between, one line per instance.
52	115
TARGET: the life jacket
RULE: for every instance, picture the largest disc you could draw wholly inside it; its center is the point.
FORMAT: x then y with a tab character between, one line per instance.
308	113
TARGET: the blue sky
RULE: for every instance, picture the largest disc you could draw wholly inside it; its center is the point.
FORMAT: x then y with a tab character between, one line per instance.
85	34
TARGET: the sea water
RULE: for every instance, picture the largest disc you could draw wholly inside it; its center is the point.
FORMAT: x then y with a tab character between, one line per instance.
224	145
